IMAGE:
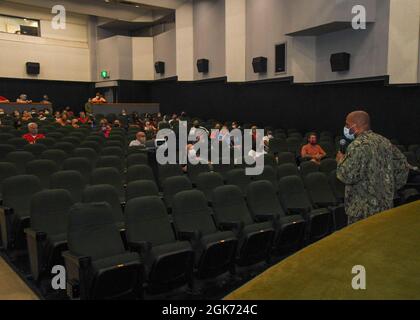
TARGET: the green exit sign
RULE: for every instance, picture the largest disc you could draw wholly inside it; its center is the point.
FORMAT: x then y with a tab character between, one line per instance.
104	74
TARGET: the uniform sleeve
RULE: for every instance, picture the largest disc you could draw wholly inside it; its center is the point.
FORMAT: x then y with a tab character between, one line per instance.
401	168
352	169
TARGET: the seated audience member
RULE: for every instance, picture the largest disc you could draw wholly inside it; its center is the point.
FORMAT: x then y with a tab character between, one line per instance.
17	122
88	107
140	140
26	116
149	129
269	136
45	99
235	125
74	123
63	120
117	124
2	113
4	100
198	130
313	151
41	116
69	112
23	98
215	132
33	136
98	98
83	118
105	128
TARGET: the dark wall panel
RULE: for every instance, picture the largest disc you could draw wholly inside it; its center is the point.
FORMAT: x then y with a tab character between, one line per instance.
395	111
61	93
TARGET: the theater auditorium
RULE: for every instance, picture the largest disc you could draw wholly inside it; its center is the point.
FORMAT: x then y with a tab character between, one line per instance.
209	150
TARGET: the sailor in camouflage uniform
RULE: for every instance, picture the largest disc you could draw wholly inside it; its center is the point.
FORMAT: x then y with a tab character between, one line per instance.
373	169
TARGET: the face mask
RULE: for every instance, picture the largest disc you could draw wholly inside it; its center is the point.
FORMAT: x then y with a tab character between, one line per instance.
348	135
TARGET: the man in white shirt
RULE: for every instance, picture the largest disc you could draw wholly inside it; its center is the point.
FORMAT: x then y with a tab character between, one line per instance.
140	140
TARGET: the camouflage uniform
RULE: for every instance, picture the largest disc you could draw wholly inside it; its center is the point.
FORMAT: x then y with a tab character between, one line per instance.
373	170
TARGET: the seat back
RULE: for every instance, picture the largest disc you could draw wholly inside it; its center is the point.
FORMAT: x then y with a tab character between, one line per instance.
293	194
207	182
92	231
328	165
229	205
104	193
262	199
141	188
308	167
146	220
190	213
137	159
20	159
71	181
43	169
173	185
88	153
56	155
36	149
319	189
286	157
140	172
49	211
238	178
83	165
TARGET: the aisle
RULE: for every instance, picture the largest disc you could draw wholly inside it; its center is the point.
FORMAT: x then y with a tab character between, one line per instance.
12	287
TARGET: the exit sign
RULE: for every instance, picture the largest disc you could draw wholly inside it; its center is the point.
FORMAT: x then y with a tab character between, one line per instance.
104	74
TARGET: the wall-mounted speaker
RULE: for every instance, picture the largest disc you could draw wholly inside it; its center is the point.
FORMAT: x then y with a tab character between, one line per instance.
280	55
259	64
160	67
32	68
203	65
340	61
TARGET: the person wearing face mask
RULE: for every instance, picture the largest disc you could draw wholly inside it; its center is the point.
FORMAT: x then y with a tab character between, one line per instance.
98	98
312	151
266	139
23	98
33	136
140	140
373	169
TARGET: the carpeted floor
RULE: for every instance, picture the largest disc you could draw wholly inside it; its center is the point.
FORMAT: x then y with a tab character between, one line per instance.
387	245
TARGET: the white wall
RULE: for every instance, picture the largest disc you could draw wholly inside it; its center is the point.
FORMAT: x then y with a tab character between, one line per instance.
63	55
209	37
164	48
143	59
185	42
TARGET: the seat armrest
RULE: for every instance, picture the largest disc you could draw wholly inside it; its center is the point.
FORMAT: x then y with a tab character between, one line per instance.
81	262
37	235
231	225
141	247
189	235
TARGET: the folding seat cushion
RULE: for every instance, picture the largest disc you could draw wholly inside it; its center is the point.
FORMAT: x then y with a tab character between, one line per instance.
47	236
308	167
231	212
36	149
19	143
87	153
168	262
48	141
238	178
97	261
43	169
214	250
111	162
286	157
322	196
83	165
328	165
7	170
56	155
173	185
264	205
296	200
69	180
141	188
207	182
20	159
137	159
113	151
269	174
5	149
108	194
140	172
67	147
14	214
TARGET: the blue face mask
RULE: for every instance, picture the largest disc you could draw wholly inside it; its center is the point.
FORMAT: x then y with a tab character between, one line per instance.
348	135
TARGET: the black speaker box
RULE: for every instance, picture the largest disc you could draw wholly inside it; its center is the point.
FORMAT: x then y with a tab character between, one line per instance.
340	61
259	64
160	67
32	68
203	65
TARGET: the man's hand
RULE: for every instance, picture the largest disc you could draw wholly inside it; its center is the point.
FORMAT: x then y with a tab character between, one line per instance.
340	156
